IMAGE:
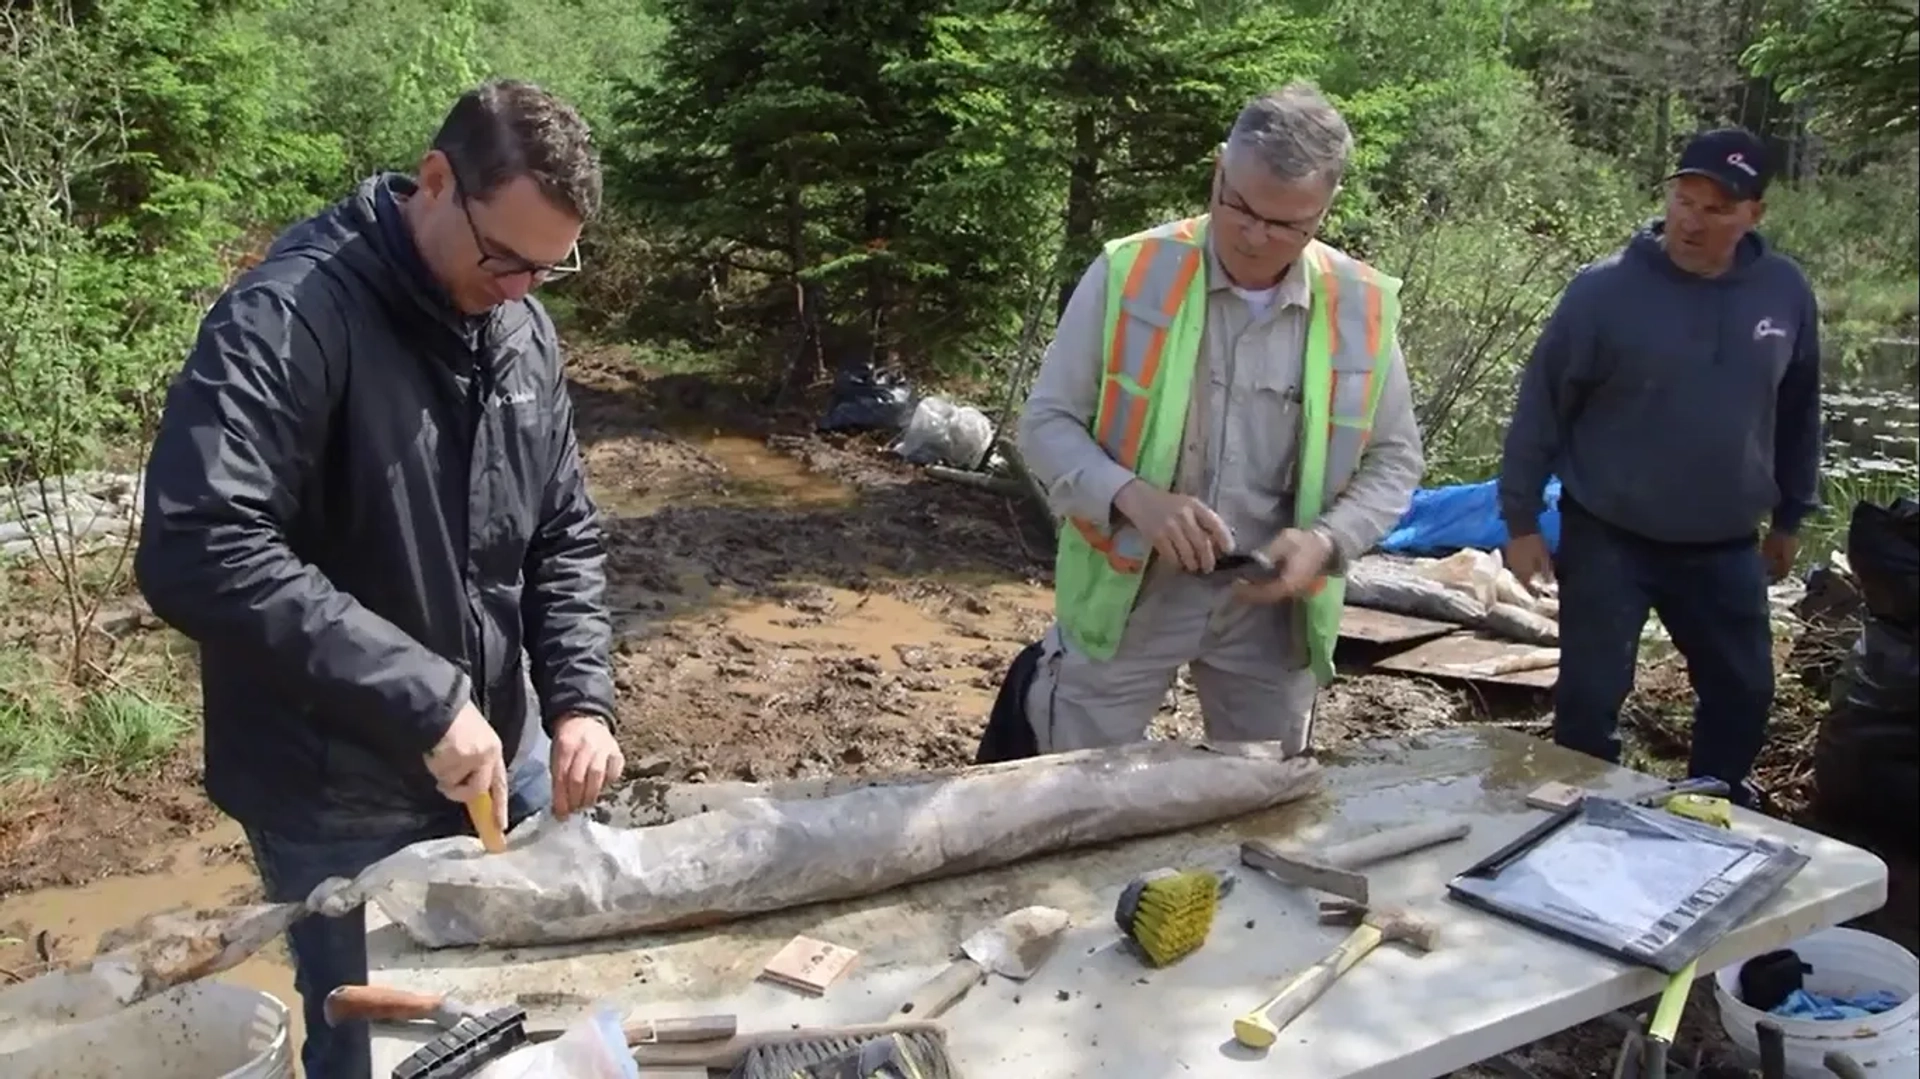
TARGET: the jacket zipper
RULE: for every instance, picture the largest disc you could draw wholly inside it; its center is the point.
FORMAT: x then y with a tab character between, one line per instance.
482	387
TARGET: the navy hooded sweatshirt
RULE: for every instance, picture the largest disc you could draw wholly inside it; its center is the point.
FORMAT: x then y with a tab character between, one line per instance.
1680	408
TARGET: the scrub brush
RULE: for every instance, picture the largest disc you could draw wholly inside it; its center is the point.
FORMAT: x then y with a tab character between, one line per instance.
917	1054
1167	913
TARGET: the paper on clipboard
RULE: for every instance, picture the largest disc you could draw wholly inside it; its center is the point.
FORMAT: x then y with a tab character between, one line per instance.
1634	882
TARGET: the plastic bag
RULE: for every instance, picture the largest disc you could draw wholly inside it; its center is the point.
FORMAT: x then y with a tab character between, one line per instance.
867	400
1441	520
1883	549
943	433
1866	759
1638	883
571	880
594	1048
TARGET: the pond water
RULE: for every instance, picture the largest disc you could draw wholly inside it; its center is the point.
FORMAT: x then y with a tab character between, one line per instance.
1873	422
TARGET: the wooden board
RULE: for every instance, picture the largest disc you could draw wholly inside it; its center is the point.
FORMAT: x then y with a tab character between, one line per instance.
808	965
1386	627
1469	656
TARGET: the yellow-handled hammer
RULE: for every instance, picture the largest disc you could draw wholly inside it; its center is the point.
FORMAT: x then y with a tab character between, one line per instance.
1260	1028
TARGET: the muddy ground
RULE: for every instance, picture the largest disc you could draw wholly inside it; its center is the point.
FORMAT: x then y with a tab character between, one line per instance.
786	605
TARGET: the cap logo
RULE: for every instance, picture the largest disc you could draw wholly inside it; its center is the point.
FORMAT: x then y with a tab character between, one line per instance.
1739	161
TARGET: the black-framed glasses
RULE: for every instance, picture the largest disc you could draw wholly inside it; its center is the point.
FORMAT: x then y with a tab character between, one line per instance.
1302	231
510	264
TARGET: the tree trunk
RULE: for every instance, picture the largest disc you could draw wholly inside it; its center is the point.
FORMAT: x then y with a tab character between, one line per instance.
1083	192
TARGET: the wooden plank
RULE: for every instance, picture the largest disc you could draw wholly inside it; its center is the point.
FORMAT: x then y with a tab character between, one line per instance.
809	965
1477	658
1386	627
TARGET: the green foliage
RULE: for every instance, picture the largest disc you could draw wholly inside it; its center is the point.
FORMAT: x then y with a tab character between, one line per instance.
1866	284
112	217
46	728
1854	61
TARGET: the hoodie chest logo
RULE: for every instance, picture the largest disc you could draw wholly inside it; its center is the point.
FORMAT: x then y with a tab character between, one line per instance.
1765	328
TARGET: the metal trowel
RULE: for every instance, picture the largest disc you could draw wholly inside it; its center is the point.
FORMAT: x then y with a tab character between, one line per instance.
1015	946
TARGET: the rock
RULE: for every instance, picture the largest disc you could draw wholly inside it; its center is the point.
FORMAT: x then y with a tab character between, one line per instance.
650	767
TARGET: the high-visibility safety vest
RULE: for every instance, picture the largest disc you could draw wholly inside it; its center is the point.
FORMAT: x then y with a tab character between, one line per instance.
1156	312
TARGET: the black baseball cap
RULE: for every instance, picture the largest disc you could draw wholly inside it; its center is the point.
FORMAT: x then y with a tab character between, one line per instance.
1732	156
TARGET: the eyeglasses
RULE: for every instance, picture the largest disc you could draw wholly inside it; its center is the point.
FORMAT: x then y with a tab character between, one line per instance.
1300	231
508	264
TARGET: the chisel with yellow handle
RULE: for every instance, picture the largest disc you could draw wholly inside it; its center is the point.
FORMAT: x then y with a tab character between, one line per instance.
485	824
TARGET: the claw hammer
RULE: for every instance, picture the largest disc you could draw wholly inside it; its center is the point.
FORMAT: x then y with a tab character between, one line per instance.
1260	1028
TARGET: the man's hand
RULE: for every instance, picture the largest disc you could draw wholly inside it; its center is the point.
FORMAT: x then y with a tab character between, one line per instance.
467	762
1527	559
585	758
1299	558
1778	550
1180	527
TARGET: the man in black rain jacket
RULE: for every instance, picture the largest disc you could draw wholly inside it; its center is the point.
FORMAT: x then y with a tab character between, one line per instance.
365	503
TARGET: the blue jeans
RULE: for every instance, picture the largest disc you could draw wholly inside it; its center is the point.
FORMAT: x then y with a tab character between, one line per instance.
331	952
1712	600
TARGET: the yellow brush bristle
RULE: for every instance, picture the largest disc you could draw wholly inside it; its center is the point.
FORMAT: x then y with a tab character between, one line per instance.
1174	914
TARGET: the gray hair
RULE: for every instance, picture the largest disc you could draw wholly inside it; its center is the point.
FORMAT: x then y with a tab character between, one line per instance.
1296	133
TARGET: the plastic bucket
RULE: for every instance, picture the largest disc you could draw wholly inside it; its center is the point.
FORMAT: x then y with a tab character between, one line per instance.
1844	962
202	1030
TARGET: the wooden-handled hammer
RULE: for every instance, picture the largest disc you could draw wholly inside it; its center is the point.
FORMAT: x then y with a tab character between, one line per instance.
1259	1028
1335	869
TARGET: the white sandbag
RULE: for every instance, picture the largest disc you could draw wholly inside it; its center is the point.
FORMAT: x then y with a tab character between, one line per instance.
1398	587
574	880
1472	572
1520	624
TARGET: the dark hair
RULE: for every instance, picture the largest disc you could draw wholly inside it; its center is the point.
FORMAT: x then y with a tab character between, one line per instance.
504	129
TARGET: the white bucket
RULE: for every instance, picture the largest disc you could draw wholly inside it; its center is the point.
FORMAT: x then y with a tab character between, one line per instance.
201	1030
1844	962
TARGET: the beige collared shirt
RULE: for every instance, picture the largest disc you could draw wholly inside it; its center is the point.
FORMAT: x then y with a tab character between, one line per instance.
1239	454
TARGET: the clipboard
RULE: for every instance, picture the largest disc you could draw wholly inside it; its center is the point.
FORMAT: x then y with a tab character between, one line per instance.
1632	882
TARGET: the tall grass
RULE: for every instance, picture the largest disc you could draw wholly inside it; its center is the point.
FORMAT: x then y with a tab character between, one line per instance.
48	728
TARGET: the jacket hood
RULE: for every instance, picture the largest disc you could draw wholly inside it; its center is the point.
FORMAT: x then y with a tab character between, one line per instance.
1646	244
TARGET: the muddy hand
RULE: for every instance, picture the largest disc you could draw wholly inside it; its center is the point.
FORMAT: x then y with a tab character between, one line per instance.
1180	527
467	761
1778	550
1299	557
1527	559
585	759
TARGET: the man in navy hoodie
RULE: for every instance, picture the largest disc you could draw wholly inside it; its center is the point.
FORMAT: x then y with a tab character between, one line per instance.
1676	393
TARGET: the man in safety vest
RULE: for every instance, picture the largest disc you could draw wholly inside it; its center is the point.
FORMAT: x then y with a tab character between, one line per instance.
1223	385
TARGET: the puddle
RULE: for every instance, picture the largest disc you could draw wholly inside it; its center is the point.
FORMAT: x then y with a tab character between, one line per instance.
637	477
74	918
759	470
886	627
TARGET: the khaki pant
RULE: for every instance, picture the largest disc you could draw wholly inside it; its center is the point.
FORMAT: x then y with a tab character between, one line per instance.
1248	669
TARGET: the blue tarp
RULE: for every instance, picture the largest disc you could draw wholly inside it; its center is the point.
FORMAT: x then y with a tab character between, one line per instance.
1443	520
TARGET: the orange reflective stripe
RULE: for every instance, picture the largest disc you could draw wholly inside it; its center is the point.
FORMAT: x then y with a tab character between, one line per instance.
1169	307
1136	427
1136	278
1107	546
1375	301
1332	284
1155	287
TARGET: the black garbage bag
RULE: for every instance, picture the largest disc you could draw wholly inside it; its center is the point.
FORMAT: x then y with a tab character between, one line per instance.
1883	550
865	399
1866	761
1009	734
